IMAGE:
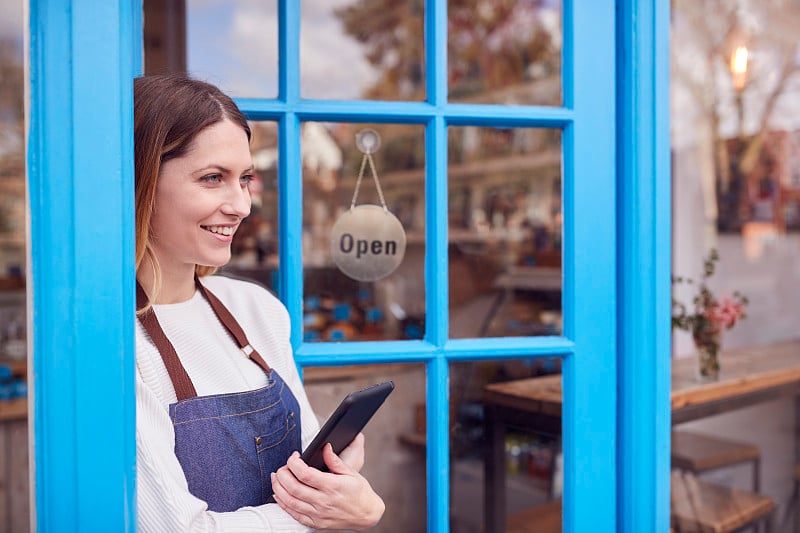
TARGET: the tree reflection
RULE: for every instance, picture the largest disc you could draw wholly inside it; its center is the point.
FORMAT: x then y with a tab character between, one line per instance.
491	45
744	102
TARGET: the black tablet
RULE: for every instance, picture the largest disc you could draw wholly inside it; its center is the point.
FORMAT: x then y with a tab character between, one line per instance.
346	422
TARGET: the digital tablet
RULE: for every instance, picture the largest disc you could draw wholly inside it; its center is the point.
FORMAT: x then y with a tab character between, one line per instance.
346	422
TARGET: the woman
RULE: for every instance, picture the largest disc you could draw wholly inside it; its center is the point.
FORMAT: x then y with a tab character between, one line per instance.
221	411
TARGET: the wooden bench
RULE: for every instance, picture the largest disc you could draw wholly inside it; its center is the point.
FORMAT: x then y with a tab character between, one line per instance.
700	507
697	452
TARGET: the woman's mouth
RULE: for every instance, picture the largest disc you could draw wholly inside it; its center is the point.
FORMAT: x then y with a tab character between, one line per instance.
227	231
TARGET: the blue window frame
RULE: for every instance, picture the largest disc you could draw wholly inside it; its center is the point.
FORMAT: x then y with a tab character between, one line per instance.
588	347
615	266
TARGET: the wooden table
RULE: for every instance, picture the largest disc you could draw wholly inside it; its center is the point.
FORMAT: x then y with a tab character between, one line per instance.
748	376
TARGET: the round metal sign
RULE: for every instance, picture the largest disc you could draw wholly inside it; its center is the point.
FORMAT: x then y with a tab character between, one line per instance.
368	242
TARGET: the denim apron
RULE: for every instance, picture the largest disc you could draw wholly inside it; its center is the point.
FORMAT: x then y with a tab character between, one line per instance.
227	444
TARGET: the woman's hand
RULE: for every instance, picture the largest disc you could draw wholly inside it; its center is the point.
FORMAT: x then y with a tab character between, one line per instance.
353	455
339	499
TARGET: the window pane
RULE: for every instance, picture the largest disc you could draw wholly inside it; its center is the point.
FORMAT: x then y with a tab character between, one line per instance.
505	444
505	52
13	315
504	231
338	307
395	437
362	50
232	44
735	122
254	251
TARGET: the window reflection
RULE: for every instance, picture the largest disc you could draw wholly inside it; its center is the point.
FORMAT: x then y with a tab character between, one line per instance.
735	80
505	220
505	52
505	445
395	437
233	44
736	167
362	50
337	307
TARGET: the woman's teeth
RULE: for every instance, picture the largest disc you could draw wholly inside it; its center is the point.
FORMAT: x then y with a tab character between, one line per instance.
222	230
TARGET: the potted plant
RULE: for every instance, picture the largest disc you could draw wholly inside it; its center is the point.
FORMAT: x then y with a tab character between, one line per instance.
708	318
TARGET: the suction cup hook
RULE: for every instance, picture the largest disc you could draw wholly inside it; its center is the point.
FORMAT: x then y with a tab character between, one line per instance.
368	141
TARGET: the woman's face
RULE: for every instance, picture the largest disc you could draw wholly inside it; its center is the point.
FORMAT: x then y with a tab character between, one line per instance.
201	198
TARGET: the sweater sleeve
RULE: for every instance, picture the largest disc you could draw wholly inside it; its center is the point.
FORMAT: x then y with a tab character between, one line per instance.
163	497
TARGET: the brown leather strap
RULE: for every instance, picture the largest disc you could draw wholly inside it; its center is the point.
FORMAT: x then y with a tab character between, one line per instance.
184	388
232	326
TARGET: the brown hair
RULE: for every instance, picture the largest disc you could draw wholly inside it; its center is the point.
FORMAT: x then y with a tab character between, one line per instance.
169	111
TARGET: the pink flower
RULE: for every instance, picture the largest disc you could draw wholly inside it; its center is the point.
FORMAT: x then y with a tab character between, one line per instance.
725	312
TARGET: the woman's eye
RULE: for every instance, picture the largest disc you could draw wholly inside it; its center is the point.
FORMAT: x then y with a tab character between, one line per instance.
246	179
212	178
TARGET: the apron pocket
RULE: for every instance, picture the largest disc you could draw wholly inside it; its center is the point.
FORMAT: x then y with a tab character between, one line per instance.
274	449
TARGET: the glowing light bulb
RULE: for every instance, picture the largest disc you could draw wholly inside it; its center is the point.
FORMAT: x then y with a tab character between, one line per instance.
739	66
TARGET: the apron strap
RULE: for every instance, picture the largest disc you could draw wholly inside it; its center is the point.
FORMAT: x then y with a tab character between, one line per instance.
184	388
232	326
181	382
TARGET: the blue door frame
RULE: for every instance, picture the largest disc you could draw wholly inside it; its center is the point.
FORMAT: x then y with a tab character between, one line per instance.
80	180
81	279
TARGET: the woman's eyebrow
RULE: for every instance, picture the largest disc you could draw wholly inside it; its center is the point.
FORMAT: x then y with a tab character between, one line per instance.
224	170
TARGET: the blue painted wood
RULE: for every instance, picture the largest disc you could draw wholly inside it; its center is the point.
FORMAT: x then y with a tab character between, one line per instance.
437	304
643	211
289	51
589	297
455	114
290	222
438	450
486	349
80	182
436	52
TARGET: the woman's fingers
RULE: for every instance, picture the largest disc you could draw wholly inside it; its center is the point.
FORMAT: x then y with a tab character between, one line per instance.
339	499
354	454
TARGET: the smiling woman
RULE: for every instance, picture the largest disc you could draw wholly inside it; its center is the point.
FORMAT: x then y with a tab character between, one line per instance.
201	198
219	427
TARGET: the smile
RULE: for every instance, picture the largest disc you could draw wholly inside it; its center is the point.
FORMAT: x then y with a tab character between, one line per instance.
220	230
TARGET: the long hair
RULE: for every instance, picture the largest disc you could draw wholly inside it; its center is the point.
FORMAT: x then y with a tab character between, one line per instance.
169	111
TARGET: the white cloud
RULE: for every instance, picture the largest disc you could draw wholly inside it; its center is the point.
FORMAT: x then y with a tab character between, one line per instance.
332	63
235	45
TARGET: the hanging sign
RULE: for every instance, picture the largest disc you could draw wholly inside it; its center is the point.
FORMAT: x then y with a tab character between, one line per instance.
368	242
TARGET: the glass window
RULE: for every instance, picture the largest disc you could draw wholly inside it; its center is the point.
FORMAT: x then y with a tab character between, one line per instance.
336	306
362	50
505	217
395	436
492	186
735	83
505	52
232	44
497	461
13	314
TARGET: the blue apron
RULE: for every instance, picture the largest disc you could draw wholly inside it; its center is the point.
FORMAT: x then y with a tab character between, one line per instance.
227	444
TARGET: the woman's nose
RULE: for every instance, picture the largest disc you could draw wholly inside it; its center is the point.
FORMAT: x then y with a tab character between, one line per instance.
238	202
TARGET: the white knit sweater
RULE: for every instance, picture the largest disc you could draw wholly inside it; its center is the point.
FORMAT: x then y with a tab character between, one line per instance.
215	365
